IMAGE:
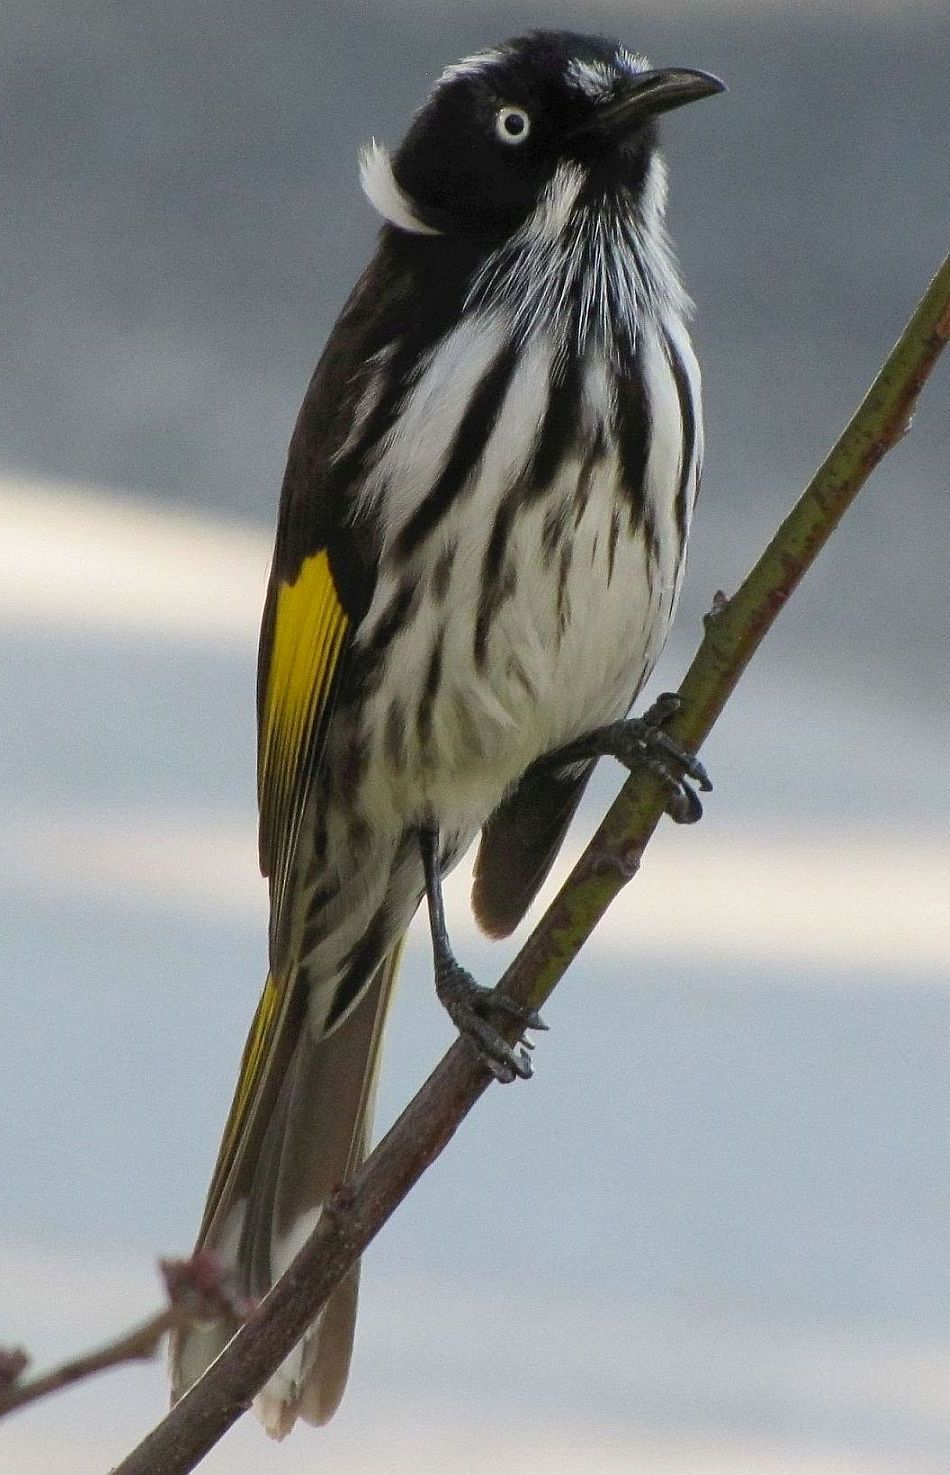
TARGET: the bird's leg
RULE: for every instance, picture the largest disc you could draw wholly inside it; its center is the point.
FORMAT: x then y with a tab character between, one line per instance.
643	742
470	1006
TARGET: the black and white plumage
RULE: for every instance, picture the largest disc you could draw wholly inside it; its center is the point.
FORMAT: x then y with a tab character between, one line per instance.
481	541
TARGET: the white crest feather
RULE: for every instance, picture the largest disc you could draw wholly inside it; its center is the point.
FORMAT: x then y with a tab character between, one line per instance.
594	78
384	194
472	66
632	61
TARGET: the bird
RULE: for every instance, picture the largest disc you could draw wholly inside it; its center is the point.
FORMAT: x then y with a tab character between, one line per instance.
479	549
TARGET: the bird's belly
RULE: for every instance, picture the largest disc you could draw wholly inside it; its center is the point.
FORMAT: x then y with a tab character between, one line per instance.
507	669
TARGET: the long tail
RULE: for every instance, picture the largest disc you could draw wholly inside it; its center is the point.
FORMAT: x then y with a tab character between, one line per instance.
309	1132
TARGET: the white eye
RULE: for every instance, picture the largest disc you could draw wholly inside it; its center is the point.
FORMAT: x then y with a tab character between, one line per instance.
512	125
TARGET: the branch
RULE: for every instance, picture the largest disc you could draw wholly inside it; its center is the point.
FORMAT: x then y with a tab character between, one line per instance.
138	1345
734	629
197	1289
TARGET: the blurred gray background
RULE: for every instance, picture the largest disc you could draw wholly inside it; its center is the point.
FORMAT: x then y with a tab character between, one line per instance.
711	1235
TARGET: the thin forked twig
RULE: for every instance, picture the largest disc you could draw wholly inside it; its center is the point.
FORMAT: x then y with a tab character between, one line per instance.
137	1345
197	1288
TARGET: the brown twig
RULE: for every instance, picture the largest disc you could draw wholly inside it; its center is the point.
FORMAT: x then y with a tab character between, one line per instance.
197	1288
138	1345
733	632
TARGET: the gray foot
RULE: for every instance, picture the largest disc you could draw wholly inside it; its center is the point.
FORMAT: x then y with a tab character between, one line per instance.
643	742
470	1007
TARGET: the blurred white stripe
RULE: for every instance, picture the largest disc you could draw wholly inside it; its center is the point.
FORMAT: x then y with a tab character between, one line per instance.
412	1441
874	901
76	557
63	1300
72	556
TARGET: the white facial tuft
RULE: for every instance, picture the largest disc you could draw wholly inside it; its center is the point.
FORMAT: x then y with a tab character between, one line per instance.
632	62
653	195
594	78
384	194
471	66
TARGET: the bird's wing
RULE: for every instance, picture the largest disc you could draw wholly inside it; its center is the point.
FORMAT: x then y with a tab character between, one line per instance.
303	642
519	844
320	586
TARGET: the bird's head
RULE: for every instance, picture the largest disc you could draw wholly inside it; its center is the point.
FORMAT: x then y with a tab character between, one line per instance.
503	128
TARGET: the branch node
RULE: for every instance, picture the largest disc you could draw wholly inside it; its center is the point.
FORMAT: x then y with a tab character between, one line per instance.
624	861
14	1362
716	610
943	324
203	1289
341	1202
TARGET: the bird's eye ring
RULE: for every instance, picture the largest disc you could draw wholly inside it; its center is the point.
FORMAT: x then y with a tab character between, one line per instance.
512	125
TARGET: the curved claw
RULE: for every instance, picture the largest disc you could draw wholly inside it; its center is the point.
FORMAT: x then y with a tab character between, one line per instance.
470	1006
688	762
501	1004
506	1062
667	704
684	806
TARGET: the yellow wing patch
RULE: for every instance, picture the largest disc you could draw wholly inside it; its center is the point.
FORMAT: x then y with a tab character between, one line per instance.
308	633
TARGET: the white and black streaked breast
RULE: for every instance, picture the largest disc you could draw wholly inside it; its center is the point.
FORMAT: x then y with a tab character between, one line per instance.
534	494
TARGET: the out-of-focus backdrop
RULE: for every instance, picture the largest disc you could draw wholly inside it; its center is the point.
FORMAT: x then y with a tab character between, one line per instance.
711	1236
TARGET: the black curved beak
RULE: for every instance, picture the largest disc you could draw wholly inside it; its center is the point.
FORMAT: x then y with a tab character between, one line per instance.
649	94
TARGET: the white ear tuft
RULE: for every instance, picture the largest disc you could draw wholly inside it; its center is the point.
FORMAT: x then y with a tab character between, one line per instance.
382	191
632	61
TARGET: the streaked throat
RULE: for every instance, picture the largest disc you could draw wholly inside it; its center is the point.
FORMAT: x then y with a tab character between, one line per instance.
588	266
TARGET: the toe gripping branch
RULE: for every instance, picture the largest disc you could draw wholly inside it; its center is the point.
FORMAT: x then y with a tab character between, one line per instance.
468	1004
637	742
643	742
